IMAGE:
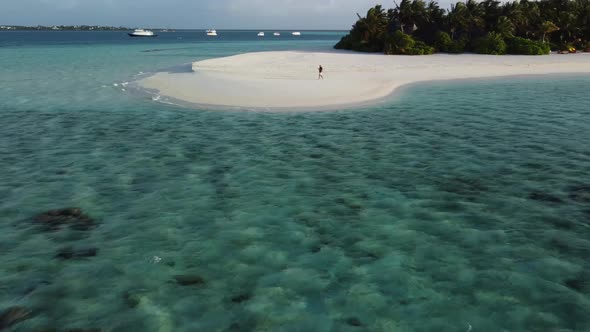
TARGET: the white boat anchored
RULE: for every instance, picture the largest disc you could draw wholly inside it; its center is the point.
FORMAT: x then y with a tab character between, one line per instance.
296	33
212	32
261	34
276	34
142	33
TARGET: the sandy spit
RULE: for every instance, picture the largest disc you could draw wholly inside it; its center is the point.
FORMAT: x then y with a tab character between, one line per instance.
288	80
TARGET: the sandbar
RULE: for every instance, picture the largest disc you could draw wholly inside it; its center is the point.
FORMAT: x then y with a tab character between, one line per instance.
288	80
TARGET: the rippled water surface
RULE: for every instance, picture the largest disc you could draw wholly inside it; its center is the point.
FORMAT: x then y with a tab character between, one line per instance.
455	207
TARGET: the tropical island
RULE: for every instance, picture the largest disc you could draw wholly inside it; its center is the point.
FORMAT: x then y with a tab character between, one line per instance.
523	27
288	80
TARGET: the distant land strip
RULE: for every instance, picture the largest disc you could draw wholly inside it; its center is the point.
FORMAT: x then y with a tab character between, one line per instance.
63	27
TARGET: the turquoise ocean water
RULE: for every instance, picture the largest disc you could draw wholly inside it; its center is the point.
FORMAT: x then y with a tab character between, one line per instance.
459	206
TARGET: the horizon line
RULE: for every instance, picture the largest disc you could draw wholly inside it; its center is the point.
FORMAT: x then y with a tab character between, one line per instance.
163	27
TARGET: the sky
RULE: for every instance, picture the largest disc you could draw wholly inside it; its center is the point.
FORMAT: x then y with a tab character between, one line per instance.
190	14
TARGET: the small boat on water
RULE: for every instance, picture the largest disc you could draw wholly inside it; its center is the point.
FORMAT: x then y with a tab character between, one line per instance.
211	32
276	34
261	34
142	33
296	33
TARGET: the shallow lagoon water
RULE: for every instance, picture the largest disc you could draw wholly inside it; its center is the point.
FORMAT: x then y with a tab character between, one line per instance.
456	206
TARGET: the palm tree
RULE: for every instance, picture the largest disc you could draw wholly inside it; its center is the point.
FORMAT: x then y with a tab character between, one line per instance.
433	21
513	11
583	11
372	28
457	19
548	27
505	27
402	16
419	15
492	12
475	14
466	18
368	33
530	19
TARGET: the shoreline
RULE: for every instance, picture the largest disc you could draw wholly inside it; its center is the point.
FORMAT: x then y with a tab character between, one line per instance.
282	81
399	91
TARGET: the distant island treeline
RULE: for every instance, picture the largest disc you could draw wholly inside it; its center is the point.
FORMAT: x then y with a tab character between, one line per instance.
64	27
415	27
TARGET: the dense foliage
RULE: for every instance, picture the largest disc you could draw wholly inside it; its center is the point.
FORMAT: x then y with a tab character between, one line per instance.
415	27
492	43
519	45
401	43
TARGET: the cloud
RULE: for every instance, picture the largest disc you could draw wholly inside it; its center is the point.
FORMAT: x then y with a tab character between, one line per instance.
222	14
289	8
65	5
329	14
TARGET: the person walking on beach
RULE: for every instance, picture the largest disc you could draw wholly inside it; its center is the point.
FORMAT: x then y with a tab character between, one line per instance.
321	70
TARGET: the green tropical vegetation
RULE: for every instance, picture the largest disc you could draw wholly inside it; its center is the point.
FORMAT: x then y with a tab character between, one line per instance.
415	27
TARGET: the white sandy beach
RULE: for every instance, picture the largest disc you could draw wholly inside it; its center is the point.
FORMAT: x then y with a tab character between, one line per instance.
289	79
